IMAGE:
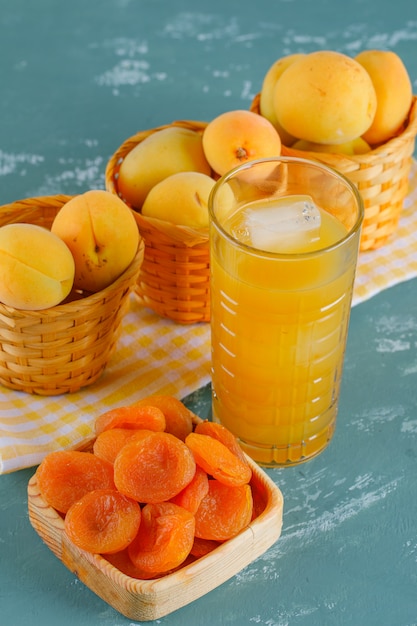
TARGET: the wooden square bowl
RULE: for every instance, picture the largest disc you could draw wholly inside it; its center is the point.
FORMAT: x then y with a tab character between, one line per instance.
145	600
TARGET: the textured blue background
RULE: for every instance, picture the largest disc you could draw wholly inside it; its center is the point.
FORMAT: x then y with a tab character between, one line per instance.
79	77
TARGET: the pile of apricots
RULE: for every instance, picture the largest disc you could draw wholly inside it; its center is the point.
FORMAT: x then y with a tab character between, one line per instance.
92	241
326	101
322	101
157	489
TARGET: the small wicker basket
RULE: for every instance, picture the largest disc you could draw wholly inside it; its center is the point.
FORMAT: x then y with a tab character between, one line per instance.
381	176
66	347
174	277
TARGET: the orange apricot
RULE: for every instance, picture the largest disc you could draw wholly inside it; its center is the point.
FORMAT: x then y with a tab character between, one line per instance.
260	497
165	538
108	444
154	469
122	561
224	512
133	416
179	419
201	547
237	137
64	476
394	93
103	521
191	496
222	434
217	460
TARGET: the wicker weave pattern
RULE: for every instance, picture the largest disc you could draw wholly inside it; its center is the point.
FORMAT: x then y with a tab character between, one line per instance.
67	347
381	176
174	277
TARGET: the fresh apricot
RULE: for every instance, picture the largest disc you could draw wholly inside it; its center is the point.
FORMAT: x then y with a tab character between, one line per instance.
355	146
181	198
101	233
161	154
394	93
36	267
325	97
266	97
239	136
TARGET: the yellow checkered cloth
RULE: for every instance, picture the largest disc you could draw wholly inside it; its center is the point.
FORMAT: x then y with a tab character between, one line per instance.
155	355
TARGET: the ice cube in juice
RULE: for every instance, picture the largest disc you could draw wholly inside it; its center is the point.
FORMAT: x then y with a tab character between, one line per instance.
281	225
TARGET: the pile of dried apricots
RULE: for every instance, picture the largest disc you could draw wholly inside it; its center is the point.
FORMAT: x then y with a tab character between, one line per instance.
158	488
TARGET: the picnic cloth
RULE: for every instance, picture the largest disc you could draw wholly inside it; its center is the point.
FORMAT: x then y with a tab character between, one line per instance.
156	355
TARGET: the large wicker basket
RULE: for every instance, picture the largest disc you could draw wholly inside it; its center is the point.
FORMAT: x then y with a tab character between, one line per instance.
381	176
66	347
174	277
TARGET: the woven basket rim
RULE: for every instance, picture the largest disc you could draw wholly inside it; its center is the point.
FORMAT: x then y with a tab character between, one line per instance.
31	203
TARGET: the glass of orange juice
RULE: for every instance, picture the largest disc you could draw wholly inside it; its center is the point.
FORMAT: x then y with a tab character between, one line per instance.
284	239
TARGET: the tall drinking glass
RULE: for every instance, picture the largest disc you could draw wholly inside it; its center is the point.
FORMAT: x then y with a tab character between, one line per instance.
284	239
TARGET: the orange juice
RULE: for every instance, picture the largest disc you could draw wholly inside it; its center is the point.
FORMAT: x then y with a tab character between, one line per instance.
279	322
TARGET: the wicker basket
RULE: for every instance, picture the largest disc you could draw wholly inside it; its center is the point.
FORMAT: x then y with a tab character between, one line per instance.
381	176
66	347
174	277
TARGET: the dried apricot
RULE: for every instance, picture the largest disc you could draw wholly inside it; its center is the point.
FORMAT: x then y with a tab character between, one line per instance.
165	538
122	561
224	512
179	419
154	495
190	497
201	547
65	476
260	499
222	434
133	416
109	443
154	469
217	460
103	521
